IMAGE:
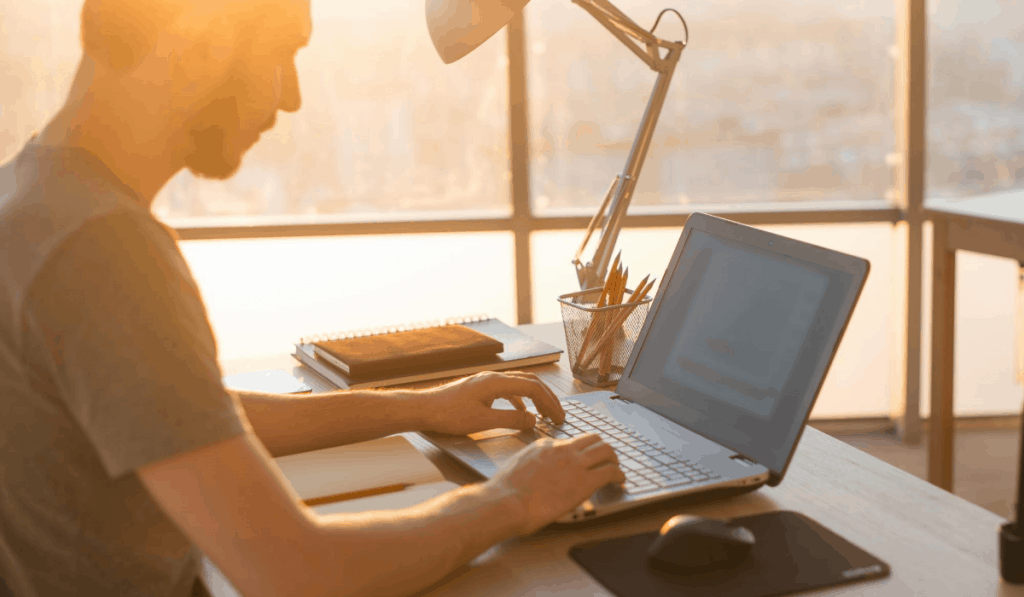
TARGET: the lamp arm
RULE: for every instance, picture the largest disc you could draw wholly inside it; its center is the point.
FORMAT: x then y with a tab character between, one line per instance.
593	273
629	32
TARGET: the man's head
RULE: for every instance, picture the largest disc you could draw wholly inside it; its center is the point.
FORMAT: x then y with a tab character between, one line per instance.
216	71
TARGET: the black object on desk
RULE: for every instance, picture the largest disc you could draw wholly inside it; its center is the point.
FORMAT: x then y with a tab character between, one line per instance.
792	554
1011	534
694	544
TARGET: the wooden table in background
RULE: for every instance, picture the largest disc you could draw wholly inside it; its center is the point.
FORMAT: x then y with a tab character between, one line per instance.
936	543
992	225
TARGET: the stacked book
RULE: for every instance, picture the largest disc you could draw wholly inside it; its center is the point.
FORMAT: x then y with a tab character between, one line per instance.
395	356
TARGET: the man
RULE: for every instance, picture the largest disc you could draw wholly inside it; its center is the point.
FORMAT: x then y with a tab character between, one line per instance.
120	451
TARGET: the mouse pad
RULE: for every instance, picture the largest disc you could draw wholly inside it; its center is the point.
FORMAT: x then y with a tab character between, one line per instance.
793	554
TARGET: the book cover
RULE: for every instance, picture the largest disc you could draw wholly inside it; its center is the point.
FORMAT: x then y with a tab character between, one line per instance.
408	351
520	350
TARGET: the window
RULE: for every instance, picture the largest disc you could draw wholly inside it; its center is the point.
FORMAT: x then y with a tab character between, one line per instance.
859	381
791	101
775	110
385	127
975	99
263	294
39	52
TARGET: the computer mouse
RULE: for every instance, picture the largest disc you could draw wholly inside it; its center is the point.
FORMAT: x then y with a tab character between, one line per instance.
692	544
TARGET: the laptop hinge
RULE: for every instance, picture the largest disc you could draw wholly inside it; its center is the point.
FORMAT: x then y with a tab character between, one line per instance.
621	399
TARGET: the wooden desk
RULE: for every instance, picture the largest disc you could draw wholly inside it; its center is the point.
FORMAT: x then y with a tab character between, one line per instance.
936	543
992	225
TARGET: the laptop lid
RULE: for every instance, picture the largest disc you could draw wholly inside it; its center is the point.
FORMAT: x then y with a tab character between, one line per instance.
740	335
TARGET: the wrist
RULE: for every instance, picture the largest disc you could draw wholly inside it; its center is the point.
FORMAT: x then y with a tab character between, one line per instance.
474	518
423	406
508	505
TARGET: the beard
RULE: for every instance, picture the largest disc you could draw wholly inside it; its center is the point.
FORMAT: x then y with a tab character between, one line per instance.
216	140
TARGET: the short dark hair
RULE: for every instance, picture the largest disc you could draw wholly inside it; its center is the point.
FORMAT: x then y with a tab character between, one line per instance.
118	33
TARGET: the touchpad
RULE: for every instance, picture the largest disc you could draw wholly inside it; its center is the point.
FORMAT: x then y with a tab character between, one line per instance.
487	455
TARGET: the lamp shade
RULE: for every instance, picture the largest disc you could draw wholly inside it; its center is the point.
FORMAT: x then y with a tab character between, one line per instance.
457	27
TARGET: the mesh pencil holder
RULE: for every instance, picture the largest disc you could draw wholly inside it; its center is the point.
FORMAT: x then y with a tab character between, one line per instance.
599	339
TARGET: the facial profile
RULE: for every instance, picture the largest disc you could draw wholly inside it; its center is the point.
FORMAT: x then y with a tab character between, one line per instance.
259	80
216	140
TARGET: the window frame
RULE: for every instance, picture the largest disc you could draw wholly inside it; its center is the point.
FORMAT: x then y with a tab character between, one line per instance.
903	207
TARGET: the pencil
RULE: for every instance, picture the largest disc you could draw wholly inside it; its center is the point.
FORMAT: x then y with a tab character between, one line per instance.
597	318
597	322
610	331
353	495
634	301
606	357
615	262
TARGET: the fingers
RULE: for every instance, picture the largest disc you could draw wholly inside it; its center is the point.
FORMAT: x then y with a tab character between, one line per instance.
599	459
517	402
530	386
512	419
607	473
582	441
520	418
597	454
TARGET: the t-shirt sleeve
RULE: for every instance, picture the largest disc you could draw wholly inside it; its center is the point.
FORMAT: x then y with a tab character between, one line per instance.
130	347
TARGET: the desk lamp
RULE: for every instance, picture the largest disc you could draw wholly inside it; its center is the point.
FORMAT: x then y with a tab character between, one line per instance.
457	27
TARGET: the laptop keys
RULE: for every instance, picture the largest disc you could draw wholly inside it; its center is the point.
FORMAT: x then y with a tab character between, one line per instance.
647	467
664	458
641	488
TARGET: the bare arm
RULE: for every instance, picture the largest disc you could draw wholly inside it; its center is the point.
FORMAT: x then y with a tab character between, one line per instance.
231	501
287	424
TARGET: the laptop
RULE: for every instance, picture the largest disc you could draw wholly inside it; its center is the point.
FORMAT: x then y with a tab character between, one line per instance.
723	375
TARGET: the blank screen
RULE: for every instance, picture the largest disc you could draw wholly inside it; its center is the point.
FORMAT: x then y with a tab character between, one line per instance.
735	342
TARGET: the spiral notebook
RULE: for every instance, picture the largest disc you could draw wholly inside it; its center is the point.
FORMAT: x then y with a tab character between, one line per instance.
520	350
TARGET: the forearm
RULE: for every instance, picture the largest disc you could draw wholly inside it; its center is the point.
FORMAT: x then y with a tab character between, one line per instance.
384	554
287	424
236	507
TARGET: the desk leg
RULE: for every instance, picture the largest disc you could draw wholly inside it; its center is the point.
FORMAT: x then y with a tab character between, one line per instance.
940	441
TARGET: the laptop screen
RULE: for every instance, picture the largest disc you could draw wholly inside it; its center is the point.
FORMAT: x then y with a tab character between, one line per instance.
740	341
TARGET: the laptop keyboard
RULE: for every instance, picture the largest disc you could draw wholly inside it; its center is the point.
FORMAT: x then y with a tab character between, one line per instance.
647	467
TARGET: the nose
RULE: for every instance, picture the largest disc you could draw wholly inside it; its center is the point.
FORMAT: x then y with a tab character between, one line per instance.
291	98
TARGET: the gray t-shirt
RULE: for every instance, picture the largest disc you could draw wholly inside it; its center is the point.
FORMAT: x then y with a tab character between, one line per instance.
107	364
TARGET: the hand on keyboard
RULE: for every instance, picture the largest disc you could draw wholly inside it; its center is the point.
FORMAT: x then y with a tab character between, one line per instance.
648	467
551	477
464	406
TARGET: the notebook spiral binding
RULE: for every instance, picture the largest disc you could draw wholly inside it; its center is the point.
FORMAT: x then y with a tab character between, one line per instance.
391	329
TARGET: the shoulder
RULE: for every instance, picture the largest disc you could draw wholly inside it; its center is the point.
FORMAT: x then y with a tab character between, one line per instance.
48	195
121	248
119	256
